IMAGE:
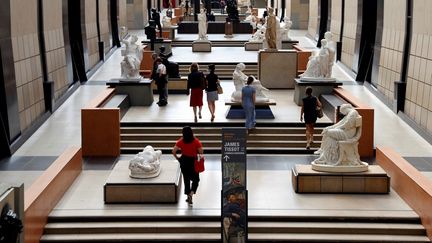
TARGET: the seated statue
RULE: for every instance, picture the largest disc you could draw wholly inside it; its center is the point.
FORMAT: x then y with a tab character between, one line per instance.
318	65
131	62
240	80
145	164
166	21
259	35
340	141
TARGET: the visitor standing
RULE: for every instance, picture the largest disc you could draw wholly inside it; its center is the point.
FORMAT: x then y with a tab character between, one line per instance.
212	93
309	111
248	103
190	147
161	82
156	17
196	84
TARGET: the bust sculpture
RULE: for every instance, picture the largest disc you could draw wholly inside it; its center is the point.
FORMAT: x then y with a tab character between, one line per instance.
285	29
132	55
338	151
145	164
318	66
240	80
166	21
202	25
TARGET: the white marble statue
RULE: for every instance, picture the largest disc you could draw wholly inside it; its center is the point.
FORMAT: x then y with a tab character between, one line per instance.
166	22
339	144
331	47
259	35
318	65
285	28
240	80
145	164
202	25
132	55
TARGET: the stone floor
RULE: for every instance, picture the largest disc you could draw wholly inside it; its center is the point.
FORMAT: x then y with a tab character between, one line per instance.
269	178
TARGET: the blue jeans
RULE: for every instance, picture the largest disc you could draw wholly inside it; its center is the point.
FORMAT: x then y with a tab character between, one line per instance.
250	116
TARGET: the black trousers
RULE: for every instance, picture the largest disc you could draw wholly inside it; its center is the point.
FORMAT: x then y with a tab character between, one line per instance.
162	90
189	175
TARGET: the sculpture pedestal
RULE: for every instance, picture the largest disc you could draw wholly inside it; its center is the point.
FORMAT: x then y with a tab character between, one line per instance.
120	188
171	30
277	69
262	110
253	46
140	93
289	44
307	180
318	87
201	46
158	43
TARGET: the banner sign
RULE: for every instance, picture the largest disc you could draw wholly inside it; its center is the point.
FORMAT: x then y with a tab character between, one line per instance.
234	193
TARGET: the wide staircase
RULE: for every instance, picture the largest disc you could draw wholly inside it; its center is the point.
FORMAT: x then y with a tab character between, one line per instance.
354	228
215	43
223	70
267	138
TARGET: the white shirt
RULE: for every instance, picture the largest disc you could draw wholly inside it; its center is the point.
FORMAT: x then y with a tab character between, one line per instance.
161	69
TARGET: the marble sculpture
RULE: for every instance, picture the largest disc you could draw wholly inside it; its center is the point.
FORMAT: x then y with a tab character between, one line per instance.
259	35
202	25
166	21
132	55
339	146
285	28
240	80
145	164
272	33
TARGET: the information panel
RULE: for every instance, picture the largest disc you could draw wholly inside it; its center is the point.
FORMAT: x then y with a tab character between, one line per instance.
234	193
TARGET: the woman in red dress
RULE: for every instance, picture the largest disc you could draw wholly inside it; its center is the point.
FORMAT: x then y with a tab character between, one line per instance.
196	84
190	147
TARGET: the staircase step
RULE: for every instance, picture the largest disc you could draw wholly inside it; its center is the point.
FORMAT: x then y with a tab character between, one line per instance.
256	150
213	130
218	143
136	237
257	237
204	137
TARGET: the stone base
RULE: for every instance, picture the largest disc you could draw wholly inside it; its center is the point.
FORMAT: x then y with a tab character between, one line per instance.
373	181
289	44
277	69
318	88
120	188
340	169
262	110
318	80
201	46
253	46
140	93
138	175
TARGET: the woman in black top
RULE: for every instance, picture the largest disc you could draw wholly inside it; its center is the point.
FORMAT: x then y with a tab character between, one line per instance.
196	84
309	107
211	89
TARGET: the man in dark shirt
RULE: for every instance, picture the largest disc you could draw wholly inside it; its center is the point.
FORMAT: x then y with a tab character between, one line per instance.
156	17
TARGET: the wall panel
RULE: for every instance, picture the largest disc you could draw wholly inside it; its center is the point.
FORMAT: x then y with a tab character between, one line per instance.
27	61
392	44
91	33
336	19
313	19
299	13
349	32
104	25
418	102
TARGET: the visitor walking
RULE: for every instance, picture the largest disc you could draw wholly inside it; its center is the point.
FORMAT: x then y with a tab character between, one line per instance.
161	82
248	103
196	84
309	110
190	147
212	93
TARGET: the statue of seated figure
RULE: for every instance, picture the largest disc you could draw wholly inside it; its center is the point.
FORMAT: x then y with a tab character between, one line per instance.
240	80
339	146
145	164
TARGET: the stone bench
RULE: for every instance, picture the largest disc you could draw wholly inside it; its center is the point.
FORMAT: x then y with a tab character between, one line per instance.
119	101
262	110
330	105
139	92
175	86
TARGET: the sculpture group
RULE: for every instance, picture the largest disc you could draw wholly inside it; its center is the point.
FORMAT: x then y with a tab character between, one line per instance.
339	146
132	55
145	164
240	80
320	66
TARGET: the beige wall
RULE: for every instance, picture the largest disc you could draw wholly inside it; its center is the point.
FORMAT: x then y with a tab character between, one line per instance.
392	44
418	103
27	63
349	32
91	33
336	19
298	12
122	18
137	14
313	19
54	46
104	25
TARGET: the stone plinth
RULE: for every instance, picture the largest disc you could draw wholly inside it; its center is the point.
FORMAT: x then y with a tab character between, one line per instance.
158	43
289	44
253	46
262	110
140	92
201	46
318	87
121	188
307	180
277	69
171	29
